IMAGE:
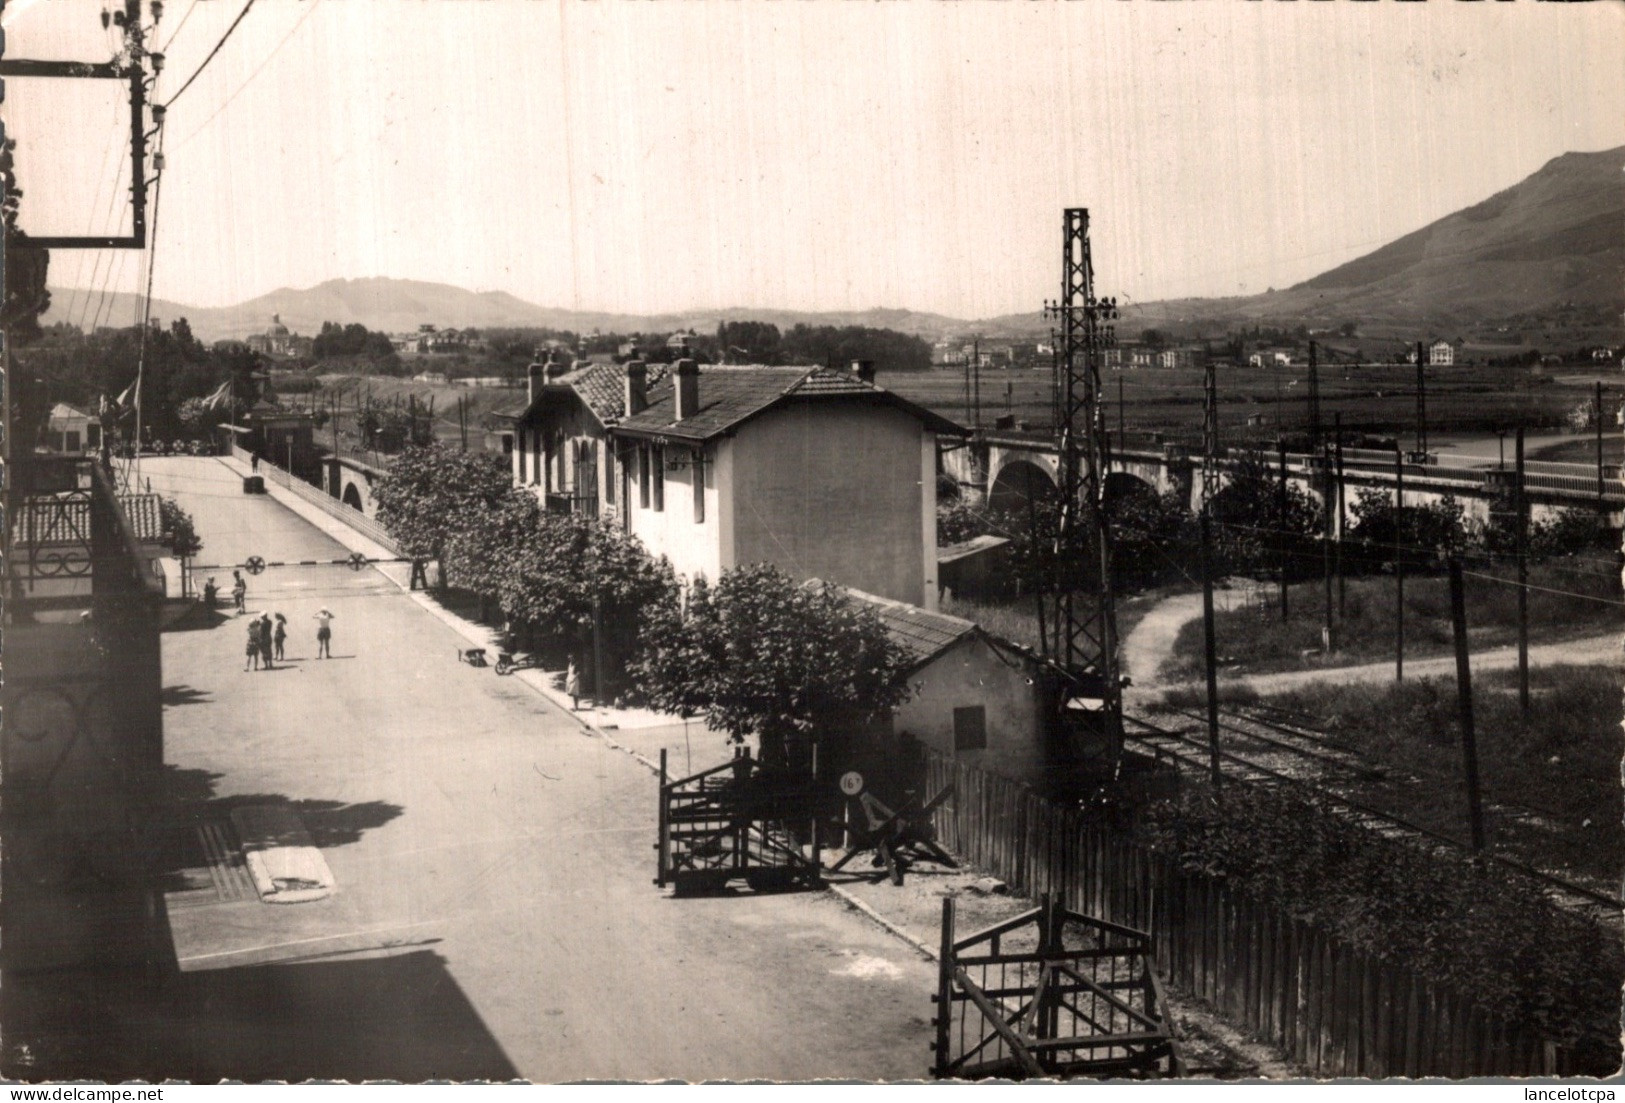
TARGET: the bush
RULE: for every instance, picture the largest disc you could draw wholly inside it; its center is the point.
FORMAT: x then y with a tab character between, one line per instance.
1493	938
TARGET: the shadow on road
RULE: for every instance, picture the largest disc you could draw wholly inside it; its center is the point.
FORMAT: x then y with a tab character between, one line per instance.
173	696
396	1017
331	823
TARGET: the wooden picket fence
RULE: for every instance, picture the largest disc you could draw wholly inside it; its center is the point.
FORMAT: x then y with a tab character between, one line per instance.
1335	1010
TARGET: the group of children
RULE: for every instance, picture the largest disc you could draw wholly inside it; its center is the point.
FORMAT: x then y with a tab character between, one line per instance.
266	639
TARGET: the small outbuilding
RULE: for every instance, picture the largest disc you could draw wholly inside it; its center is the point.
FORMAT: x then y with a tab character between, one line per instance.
976	697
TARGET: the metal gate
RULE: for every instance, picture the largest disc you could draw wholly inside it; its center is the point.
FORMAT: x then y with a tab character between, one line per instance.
1050	993
736	822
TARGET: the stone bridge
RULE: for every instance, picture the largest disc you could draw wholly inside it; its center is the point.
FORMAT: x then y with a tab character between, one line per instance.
1003	470
351	482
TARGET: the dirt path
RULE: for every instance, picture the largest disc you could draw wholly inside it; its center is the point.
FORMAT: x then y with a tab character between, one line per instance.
1149	645
1592	651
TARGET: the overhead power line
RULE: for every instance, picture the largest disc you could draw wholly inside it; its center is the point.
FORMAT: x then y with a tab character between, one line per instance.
258	69
196	72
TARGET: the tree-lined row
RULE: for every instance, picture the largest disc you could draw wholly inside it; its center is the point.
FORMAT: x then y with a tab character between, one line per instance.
758	652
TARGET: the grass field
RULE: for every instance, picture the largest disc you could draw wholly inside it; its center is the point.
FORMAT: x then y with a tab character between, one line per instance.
1562	763
1374	400
1569	599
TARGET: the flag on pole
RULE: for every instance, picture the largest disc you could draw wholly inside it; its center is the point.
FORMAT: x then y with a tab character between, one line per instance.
220	395
123	399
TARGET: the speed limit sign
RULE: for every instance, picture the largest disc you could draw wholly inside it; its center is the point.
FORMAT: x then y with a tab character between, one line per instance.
851	783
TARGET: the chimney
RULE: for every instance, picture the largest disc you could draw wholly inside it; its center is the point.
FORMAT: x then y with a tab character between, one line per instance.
531	374
864	370
637	388
687	387
556	365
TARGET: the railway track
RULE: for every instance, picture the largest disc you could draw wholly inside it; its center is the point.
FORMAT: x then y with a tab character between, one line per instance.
1314	764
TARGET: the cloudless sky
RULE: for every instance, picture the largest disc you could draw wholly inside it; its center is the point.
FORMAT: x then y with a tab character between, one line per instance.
805	154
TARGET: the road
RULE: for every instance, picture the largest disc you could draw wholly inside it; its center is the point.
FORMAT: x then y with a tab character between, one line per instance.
494	914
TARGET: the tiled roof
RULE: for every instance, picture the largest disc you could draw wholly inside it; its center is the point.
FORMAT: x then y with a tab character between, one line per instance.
924	635
730	395
43	521
603	387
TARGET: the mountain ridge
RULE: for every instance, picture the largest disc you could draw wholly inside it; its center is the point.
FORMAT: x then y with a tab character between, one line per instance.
1556	237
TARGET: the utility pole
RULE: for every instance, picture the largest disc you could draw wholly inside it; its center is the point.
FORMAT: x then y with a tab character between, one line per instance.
1085	638
1314	400
1210	432
1329	519
976	376
1280	447
1399	563
1464	705
1210	653
1520	509
1122	431
1602	507
1421	401
1342	593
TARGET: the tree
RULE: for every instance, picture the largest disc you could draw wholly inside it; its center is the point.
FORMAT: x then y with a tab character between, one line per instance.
179	532
1153	338
1259	526
792	663
552	580
431	493
477	555
1419	535
1155	538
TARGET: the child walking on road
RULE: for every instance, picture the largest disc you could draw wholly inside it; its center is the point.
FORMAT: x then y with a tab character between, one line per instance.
252	662
324	634
280	636
239	592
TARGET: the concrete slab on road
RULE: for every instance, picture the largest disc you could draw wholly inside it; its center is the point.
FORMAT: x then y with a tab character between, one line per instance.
494	913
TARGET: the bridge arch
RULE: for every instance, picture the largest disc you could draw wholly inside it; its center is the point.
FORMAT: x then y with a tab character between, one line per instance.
352	497
1017	483
1124	484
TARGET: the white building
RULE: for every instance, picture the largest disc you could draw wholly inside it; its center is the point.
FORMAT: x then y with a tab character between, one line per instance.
818	471
1441	354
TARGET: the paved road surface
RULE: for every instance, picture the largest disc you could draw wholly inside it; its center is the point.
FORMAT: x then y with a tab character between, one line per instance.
494	915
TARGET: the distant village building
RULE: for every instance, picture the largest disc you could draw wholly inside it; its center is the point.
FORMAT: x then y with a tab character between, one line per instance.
430	377
1441	354
818	471
277	341
71	431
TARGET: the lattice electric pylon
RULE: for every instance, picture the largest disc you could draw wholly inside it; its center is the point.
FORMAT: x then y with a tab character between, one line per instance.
1082	617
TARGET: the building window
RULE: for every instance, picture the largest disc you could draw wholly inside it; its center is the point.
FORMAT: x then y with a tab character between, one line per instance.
643	476
698	468
657	460
970	728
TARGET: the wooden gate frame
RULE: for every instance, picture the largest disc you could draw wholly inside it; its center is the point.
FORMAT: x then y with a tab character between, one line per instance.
1039	1028
726	823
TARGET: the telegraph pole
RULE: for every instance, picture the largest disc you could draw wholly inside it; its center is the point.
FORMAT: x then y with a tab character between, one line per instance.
1602	506
1520	509
1421	401
1210	432
1210	652
1314	400
1280	447
1399	564
1342	592
1464	705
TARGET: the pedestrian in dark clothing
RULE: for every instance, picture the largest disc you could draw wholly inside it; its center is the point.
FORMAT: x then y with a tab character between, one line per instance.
265	639
255	465
280	635
253	652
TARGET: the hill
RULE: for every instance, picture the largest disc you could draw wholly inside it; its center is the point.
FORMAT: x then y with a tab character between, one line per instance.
1553	242
400	306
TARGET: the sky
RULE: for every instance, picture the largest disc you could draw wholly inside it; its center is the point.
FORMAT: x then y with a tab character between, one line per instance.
802	154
